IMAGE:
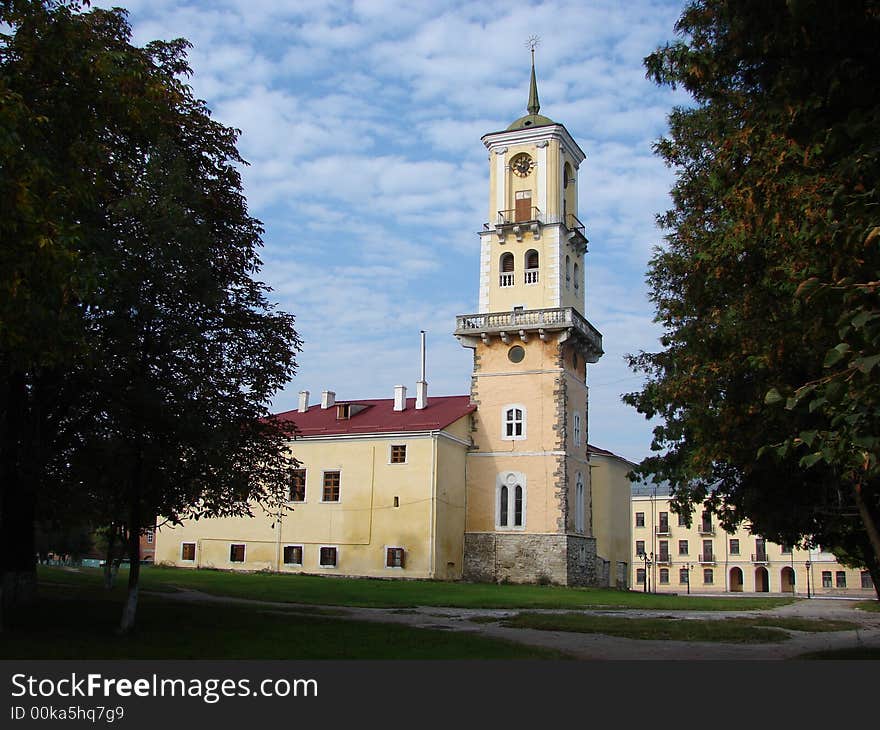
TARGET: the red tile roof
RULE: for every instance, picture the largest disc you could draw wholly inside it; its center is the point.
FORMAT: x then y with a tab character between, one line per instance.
379	416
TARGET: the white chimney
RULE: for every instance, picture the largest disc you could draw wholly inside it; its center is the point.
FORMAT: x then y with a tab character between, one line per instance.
399	397
328	399
422	385
303	401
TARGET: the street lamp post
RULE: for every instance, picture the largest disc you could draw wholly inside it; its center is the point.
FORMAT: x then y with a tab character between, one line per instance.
687	567
648	561
807	565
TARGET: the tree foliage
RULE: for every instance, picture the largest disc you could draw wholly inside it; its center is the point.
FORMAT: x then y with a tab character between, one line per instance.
770	265
155	392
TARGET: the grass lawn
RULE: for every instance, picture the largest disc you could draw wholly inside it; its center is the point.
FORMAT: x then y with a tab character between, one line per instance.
78	622
869	605
730	630
331	591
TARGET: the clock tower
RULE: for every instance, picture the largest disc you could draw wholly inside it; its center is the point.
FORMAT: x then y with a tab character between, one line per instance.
528	516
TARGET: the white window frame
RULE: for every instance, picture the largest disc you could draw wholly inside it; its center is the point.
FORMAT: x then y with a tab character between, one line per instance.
195	550
392	463
335	547
576	428
385	557
244	557
514	407
149	535
511	480
302	552
305	487
324	473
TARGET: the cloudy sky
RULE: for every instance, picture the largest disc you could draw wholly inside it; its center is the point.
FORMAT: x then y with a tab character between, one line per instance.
361	121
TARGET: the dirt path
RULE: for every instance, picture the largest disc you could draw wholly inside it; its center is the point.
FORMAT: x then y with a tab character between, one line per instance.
600	646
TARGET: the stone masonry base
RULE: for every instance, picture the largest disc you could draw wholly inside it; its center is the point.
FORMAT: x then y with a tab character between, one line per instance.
496	557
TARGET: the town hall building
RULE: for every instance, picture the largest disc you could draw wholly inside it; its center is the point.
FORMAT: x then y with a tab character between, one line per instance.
491	486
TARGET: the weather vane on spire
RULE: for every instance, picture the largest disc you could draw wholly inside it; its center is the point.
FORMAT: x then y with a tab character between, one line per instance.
534	105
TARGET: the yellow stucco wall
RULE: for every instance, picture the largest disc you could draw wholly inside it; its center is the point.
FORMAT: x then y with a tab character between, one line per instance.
362	524
532	385
611	511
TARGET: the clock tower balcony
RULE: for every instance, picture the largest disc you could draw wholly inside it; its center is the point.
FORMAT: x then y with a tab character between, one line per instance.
518	222
526	323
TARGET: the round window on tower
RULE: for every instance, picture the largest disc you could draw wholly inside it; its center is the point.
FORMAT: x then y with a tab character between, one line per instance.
516	354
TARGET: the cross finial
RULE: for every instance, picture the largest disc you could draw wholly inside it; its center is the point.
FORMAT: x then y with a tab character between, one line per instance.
534	105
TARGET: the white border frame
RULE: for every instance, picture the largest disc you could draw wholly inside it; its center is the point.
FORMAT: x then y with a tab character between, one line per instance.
305	488
336	548
324	472
244	559
195	545
385	557
390	463
302	554
525	422
501	480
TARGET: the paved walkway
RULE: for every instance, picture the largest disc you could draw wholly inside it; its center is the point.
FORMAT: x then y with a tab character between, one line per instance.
600	646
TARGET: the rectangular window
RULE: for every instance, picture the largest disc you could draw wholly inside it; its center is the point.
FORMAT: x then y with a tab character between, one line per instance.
708	576
640	519
298	486
840	578
663	547
683	574
866	580
236	553
682	547
328	557
149	537
682	521
785	549
664	576
398	454
826	579
706	525
707	550
664	522
640	576
188	551
394	557
640	547
293	555
734	546
331	487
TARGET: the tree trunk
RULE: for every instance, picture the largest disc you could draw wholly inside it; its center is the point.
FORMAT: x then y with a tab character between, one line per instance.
129	611
18	571
870	523
109	573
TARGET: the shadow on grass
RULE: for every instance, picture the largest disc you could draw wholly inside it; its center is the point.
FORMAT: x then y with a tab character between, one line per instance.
74	624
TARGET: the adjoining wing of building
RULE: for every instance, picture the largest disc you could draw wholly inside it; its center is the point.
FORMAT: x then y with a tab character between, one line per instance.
705	558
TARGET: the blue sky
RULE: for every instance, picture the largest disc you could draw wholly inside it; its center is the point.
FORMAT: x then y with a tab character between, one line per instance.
361	121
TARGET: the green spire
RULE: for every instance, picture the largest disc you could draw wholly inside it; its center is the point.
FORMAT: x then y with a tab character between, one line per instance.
534	105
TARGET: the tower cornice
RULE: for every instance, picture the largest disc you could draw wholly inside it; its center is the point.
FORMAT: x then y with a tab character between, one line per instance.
495	140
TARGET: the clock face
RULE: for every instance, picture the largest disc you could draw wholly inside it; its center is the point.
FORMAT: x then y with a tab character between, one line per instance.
522	165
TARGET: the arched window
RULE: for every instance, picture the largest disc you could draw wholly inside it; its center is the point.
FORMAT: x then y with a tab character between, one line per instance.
510	500
567	175
567	272
532	261
576	276
513	422
506	266
579	504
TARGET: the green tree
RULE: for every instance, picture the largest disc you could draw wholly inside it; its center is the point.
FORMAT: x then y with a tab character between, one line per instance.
162	407
768	258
